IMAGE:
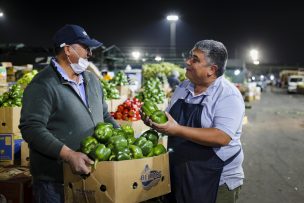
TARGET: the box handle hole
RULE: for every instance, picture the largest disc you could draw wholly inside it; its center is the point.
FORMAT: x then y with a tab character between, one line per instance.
162	178
103	188
71	185
135	185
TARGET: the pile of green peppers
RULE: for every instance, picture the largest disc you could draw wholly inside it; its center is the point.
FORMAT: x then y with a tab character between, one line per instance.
152	91
109	90
13	97
110	144
120	79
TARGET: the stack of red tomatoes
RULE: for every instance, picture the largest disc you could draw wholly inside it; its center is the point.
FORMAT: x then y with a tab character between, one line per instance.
129	110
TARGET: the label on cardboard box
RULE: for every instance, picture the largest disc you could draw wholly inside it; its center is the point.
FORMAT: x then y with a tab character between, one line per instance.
2	74
8	150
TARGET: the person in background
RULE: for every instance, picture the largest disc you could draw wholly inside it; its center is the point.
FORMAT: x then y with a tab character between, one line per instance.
61	106
204	128
173	79
106	76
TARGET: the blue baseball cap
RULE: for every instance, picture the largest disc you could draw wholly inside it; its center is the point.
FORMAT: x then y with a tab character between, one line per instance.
74	34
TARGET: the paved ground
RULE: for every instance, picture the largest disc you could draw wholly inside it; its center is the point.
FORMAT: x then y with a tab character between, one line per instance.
273	143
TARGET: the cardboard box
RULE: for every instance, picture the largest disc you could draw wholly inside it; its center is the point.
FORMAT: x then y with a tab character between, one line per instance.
120	181
7	64
113	103
3	87
138	126
10	148
116	102
124	91
109	105
9	119
25	155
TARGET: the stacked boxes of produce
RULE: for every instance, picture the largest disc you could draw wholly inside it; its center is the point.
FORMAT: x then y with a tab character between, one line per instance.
10	108
112	95
121	82
10	137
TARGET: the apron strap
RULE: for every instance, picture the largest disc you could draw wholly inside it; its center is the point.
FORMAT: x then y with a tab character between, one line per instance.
228	161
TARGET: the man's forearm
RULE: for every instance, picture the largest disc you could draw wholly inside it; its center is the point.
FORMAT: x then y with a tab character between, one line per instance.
212	137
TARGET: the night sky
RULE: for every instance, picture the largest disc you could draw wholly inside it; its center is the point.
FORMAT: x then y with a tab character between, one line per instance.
275	29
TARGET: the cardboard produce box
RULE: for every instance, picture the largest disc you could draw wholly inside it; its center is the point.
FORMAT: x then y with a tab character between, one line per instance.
9	119
3	87
25	155
114	103
124	91
138	126
120	181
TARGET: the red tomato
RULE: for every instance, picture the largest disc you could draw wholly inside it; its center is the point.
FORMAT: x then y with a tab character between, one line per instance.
118	115
120	108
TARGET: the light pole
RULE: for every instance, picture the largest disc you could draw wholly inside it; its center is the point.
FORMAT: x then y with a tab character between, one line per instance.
172	19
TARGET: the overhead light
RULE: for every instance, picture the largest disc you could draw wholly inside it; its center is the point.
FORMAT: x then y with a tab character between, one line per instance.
136	55
237	72
172	17
158	58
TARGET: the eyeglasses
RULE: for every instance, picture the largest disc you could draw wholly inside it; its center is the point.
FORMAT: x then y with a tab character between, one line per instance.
195	59
191	57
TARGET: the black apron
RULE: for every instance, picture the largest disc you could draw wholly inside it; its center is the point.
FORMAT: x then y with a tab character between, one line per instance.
195	169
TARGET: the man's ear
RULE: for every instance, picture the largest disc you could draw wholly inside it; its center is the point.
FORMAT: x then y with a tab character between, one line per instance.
212	70
67	50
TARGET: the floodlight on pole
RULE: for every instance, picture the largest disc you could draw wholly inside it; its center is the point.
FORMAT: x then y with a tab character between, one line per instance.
1	14
136	55
254	54
172	19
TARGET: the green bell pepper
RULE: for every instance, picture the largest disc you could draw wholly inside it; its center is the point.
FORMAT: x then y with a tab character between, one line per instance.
100	153
146	148
136	152
159	149
128	130
159	117
118	143
149	107
151	135
88	144
131	140
145	145
103	133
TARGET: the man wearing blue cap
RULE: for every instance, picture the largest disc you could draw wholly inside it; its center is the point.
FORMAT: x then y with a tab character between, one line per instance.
61	106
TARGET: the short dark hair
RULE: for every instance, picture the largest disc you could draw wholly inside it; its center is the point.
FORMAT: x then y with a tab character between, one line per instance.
58	50
215	52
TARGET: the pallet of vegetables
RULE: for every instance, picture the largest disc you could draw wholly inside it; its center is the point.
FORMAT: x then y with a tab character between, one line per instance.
126	169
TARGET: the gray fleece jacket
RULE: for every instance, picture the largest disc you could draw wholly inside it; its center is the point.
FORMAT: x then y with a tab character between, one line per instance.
54	115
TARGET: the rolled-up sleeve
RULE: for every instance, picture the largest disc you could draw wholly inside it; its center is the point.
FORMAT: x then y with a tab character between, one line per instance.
229	115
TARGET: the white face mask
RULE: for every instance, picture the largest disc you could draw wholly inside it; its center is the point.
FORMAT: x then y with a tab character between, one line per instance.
81	66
